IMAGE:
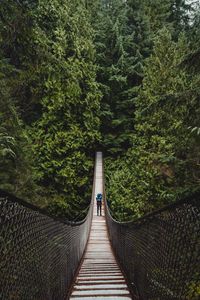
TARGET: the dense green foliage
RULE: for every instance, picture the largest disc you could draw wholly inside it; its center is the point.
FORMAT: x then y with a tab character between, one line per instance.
162	162
51	103
122	75
122	42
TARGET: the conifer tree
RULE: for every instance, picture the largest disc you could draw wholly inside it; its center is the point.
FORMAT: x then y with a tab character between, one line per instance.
67	131
15	164
47	47
121	47
162	164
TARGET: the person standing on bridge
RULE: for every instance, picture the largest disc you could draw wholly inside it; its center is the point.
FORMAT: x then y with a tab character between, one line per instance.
99	199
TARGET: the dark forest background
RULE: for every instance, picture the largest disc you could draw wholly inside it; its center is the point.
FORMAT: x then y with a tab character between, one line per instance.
120	76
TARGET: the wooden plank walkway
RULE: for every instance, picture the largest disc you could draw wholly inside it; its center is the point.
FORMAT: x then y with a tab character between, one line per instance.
100	276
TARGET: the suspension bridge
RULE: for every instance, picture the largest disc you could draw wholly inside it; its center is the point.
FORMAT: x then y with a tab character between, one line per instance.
153	258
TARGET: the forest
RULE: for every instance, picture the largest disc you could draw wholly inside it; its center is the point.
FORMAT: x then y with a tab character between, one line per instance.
122	76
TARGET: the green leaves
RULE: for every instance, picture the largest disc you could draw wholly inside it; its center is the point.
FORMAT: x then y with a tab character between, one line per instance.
163	162
65	134
53	114
195	130
50	102
120	66
6	145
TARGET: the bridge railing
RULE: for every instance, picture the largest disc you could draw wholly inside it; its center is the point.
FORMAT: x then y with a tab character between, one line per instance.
39	255
160	253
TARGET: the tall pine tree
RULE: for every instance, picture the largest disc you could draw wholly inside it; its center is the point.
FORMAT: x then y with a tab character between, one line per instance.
121	46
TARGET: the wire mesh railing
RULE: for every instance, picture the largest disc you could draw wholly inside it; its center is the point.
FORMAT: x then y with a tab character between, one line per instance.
39	255
160	253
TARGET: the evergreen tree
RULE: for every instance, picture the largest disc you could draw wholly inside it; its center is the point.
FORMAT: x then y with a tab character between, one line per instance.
52	115
65	135
180	11
157	13
49	79
121	48
163	162
16	174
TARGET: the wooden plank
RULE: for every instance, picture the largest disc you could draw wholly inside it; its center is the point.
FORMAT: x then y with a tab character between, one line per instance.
102	297
100	276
